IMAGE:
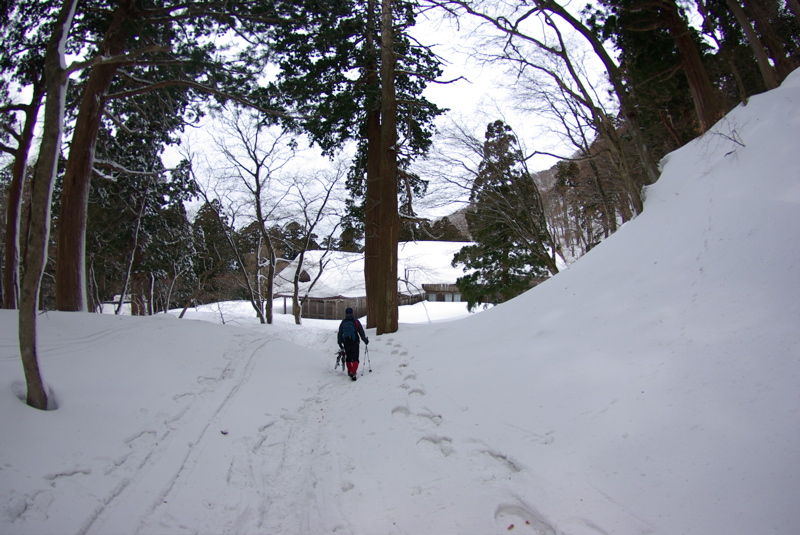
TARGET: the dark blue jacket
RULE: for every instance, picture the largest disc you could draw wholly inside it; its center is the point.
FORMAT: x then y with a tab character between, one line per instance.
359	330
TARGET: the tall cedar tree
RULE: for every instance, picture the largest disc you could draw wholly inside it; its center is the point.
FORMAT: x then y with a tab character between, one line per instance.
337	68
654	42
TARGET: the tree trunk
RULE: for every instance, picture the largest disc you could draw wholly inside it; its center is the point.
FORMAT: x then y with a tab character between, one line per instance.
767	72
389	230
372	214
609	213
41	196
372	200
260	289
70	264
14	201
134	249
138	295
265	314
706	101
296	304
622	164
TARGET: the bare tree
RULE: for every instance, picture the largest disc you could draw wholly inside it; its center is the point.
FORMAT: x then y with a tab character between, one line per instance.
511	19
553	81
454	160
254	157
313	199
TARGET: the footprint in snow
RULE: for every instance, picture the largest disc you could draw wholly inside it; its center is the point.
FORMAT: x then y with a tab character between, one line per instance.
401	410
439	444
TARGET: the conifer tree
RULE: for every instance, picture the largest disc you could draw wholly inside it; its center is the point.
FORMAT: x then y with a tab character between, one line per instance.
512	244
341	68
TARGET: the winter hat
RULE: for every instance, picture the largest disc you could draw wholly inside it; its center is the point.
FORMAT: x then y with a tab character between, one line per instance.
348	310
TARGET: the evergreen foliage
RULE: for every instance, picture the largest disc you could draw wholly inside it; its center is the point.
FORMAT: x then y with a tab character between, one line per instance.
328	59
652	66
507	225
215	260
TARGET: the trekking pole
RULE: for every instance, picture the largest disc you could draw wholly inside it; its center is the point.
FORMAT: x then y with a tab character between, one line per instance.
366	355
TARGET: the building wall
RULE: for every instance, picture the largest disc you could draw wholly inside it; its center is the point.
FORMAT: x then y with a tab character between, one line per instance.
332	308
442	292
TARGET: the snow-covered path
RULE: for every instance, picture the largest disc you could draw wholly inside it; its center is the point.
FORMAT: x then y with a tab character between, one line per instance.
261	435
172	453
251	430
226	461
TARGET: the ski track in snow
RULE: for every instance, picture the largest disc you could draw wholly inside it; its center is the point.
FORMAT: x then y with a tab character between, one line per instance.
223	462
161	457
295	470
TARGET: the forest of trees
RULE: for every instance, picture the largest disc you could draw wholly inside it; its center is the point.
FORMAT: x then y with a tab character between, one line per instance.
93	92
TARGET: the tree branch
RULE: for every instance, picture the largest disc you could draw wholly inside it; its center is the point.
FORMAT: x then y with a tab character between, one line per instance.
205	89
116	60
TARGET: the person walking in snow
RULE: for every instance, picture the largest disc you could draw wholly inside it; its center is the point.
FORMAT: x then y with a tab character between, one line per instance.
350	330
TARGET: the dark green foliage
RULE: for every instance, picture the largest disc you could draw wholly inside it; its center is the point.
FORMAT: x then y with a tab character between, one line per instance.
215	260
444	230
498	273
325	58
733	67
351	239
329	60
507	225
26	27
293	240
136	219
652	68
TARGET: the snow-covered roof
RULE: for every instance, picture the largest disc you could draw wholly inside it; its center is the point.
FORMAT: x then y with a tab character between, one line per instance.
343	273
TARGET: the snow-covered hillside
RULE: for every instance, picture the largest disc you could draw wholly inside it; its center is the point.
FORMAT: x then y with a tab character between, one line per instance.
652	387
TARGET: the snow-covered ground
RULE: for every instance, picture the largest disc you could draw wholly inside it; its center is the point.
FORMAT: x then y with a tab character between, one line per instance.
652	387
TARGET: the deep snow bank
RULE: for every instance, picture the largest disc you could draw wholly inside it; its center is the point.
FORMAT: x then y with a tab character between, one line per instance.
661	369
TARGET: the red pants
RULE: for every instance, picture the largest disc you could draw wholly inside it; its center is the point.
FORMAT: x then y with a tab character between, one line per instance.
352	366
